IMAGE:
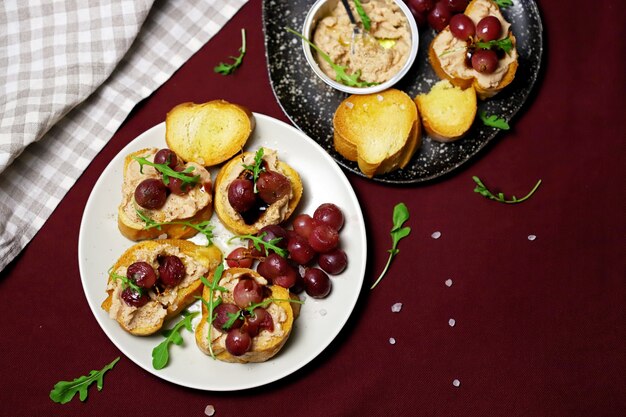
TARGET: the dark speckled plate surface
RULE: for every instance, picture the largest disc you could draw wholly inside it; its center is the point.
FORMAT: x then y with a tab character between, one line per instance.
310	103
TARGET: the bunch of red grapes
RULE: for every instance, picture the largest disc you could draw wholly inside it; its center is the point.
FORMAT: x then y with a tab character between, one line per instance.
312	247
435	13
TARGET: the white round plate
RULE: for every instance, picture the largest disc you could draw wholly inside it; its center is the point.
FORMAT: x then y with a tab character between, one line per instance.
100	244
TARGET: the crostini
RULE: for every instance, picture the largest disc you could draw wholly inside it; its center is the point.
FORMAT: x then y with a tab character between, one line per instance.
155	280
254	190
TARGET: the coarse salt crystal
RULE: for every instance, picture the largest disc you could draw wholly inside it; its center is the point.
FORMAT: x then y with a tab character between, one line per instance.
392	341
396	307
349	104
380	98
451	322
323	312
532	237
456	383
209	410
436	235
448	283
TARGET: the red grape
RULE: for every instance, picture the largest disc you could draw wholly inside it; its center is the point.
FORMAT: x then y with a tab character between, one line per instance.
151	193
333	262
462	27
303	224
485	61
488	28
134	298
421	6
272	186
288	279
166	156
300	250
239	258
273	266
238	342
142	274
323	238
329	214
272	232
247	292
260	319
241	195
457	5
439	16
223	313
171	270
316	283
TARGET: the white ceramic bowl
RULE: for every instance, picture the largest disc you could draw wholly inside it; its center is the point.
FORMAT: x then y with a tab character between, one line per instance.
321	9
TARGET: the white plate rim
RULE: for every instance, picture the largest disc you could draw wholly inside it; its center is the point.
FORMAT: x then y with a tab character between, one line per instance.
357	251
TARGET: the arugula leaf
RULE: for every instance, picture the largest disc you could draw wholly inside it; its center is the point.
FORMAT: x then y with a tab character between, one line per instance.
505	44
126	282
169	172
258	242
250	309
482	190
227	69
504	3
160	354
367	22
64	391
494	121
340	71
398	232
257	168
211	304
205	227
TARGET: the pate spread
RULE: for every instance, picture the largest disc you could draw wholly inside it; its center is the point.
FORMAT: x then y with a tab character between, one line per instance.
156	309
452	51
176	206
379	54
275	212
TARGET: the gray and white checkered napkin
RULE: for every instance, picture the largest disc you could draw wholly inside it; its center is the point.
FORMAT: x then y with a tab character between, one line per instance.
70	72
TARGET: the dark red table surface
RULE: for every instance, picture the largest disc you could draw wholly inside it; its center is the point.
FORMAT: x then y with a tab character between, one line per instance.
540	325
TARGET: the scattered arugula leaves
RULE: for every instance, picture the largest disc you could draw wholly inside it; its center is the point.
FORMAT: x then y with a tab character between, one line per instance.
161	354
64	391
168	172
494	121
365	19
398	231
227	69
126	282
257	168
482	190
505	44
258	241
205	227
504	3
211	304
340	71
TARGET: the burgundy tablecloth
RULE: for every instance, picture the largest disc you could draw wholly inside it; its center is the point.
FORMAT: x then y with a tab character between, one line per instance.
539	324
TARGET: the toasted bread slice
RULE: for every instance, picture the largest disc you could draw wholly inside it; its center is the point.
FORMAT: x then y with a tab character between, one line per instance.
275	213
381	131
268	342
448	55
447	111
208	133
168	301
195	206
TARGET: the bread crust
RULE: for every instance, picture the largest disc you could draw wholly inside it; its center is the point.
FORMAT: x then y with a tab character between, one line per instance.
275	213
135	230
148	319
208	133
351	125
264	346
481	91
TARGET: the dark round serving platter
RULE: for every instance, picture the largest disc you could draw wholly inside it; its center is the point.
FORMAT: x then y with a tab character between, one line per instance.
310	103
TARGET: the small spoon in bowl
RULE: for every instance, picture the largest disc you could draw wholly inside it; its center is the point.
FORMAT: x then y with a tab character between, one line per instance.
356	31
